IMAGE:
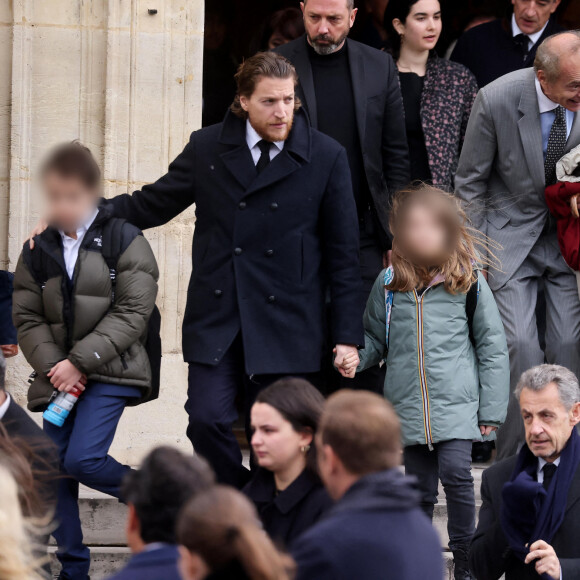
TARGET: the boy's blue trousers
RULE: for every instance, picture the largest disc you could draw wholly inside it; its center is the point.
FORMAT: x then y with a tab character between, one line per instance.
83	443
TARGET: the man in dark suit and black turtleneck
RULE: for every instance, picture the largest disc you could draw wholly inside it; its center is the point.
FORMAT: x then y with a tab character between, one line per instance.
351	92
502	46
530	516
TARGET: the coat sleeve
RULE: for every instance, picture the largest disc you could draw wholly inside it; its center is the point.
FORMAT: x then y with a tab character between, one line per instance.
489	545
375	321
35	335
395	149
126	321
157	203
340	239
492	358
476	162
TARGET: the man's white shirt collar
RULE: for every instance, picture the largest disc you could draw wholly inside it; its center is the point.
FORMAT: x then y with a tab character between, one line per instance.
541	463
533	37
4	406
544	102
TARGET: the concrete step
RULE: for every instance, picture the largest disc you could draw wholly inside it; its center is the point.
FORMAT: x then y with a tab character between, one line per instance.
105	561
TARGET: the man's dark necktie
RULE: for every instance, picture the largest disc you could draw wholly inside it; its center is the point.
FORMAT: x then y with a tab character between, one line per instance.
556	145
549	471
523	42
265	155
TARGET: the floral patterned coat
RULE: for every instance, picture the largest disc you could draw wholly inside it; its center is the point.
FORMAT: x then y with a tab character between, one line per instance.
448	95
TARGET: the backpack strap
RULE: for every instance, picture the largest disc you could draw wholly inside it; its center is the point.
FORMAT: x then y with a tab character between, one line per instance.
38	265
471	300
389	294
115	240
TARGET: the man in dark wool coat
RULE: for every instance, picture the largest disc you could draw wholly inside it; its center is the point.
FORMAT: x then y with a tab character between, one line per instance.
529	523
275	226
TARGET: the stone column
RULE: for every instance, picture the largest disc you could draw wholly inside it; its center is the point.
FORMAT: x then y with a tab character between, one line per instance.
124	77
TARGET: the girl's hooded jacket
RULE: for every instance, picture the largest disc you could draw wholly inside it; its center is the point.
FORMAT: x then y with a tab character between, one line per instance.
441	384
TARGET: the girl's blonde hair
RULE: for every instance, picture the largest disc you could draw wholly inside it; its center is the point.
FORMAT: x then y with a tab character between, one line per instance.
16	559
222	527
466	249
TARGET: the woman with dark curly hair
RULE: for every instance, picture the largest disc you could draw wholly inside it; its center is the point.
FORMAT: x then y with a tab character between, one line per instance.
437	94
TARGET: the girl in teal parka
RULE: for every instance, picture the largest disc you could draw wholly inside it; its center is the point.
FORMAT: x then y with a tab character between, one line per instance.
433	318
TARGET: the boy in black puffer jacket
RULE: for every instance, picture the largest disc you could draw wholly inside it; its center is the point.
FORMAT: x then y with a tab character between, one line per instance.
83	328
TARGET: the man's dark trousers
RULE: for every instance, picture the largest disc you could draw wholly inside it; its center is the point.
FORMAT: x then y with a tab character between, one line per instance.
211	406
83	443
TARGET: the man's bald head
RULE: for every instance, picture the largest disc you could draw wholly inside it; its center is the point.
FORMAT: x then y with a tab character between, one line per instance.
557	67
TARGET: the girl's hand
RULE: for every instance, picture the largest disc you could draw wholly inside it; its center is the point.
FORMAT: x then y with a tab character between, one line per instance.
487	430
348	364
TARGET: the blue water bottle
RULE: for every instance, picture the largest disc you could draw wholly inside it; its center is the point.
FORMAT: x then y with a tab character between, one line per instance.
61	407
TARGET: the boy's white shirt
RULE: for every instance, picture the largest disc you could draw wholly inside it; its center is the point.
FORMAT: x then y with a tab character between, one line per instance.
71	246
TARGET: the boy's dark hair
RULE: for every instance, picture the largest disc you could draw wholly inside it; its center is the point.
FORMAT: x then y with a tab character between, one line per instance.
166	481
73	160
261	65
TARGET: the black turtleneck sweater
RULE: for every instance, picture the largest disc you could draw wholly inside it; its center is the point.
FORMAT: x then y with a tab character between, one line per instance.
336	113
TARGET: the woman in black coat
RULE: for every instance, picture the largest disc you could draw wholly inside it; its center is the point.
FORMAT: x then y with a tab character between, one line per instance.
437	94
286	488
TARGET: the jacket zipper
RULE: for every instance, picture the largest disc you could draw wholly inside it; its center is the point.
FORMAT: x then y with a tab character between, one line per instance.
422	373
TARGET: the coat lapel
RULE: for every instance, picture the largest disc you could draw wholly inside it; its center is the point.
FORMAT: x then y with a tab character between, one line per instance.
357	74
302	64
237	157
531	134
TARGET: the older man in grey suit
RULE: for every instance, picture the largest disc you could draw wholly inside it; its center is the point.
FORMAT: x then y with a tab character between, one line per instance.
520	126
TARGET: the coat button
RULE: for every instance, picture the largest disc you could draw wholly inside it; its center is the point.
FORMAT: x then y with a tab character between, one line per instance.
274	206
533	233
217	293
271	299
238	251
242	205
269	253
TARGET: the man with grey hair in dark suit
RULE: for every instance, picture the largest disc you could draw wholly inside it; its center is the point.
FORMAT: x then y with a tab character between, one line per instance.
520	126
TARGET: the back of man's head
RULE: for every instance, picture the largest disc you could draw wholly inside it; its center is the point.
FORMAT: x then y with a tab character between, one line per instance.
166	481
363	431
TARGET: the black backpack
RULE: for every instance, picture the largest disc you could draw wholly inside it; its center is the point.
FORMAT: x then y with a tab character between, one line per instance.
116	235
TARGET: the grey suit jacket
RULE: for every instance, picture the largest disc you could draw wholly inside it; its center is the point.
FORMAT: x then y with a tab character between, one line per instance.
501	170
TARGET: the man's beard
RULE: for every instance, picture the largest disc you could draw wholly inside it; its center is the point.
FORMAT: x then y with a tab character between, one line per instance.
262	130
324	49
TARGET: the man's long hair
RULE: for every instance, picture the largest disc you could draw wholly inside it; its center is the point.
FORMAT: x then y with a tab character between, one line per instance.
261	65
466	247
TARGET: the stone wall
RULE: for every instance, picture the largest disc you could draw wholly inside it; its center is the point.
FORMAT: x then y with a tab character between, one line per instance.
127	83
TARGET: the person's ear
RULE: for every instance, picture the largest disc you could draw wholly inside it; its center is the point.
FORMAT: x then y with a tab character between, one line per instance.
133	525
575	414
555	5
353	14
399	27
244	102
191	566
302	7
306	438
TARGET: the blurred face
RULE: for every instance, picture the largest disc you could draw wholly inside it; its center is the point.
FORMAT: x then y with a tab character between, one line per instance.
276	444
69	201
327	24
423	239
270	108
277	40
547	422
565	90
422	28
532	15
